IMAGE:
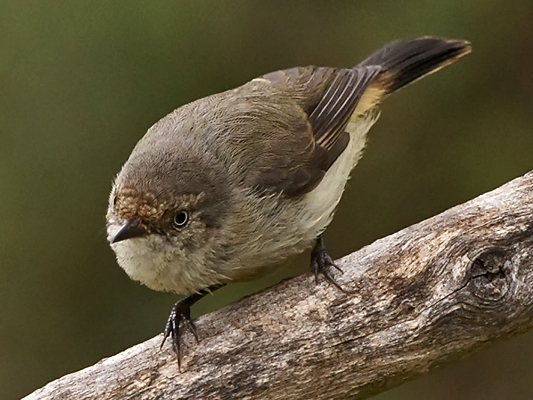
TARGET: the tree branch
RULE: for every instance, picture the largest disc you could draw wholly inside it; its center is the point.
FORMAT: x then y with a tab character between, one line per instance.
428	294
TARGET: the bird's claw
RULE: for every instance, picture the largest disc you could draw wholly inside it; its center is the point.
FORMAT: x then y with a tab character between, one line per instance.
321	263
179	318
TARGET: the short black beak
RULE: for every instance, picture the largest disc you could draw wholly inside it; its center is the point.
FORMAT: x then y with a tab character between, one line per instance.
131	228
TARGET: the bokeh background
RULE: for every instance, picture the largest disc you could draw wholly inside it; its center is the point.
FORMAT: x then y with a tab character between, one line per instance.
81	81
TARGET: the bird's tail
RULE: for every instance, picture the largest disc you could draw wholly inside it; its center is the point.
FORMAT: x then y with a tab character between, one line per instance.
402	62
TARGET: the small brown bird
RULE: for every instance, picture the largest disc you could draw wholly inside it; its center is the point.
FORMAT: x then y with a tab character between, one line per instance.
225	188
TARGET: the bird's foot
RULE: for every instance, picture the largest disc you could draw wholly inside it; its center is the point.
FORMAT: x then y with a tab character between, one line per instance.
321	263
178	320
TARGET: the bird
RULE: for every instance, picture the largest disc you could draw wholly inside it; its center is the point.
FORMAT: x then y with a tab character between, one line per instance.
227	187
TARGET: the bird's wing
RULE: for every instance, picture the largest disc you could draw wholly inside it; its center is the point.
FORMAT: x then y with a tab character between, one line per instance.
310	107
324	99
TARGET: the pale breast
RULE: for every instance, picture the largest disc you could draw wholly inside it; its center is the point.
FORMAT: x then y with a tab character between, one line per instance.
321	203
154	262
293	226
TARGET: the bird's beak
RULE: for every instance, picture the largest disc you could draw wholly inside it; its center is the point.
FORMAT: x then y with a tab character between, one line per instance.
131	228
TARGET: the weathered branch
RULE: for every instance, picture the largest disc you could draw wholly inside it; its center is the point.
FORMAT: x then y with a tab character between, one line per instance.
430	293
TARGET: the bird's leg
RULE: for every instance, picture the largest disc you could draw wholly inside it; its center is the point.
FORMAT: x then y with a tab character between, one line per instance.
180	317
321	262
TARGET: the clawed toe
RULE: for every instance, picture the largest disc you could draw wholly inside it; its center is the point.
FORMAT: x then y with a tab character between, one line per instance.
180	317
321	263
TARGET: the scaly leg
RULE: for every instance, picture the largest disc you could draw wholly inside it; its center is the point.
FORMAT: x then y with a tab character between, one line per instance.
321	261
180	317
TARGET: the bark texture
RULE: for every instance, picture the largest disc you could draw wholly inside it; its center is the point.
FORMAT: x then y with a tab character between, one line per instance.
421	297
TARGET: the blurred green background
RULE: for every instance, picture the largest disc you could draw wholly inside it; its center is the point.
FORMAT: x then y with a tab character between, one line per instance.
81	81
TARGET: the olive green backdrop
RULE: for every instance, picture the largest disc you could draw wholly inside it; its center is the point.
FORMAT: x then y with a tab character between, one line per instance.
81	81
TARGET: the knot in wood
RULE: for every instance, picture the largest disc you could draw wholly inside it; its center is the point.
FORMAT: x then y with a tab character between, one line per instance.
488	274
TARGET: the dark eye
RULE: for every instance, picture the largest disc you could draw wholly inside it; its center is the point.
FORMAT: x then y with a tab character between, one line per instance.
181	219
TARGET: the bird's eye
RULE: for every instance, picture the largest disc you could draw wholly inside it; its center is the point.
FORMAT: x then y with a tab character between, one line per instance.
181	219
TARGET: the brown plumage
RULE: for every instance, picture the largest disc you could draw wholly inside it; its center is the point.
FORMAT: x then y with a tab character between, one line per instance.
330	97
229	186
